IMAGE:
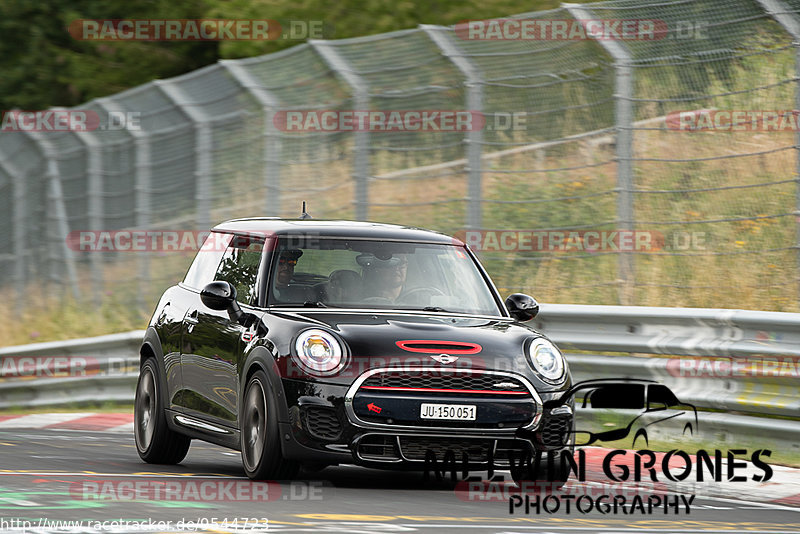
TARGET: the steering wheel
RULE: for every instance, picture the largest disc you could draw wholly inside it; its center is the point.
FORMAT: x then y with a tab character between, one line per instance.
412	296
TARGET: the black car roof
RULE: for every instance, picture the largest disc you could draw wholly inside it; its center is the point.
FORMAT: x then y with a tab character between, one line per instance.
334	228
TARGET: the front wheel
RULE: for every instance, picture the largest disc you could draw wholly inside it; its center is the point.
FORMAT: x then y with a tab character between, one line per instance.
155	442
260	437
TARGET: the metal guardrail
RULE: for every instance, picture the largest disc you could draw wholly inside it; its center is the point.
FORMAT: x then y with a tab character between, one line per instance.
715	359
732	360
97	369
674	331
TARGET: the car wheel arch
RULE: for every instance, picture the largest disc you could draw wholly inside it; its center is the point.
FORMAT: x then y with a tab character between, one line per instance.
151	347
262	359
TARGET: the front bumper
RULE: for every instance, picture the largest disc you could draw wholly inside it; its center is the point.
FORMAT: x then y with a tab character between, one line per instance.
332	424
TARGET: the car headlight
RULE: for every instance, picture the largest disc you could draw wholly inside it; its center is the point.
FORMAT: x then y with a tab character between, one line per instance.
319	352
546	360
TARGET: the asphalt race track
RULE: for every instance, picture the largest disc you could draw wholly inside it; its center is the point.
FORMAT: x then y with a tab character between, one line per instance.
87	478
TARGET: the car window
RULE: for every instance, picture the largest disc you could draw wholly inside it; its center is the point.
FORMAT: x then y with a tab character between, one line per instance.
239	266
378	274
618	396
204	266
660	394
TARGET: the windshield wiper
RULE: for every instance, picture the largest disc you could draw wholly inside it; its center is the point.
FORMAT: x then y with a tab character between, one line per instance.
434	309
306	304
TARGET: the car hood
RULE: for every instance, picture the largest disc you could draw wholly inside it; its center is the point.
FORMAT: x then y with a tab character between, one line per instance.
409	340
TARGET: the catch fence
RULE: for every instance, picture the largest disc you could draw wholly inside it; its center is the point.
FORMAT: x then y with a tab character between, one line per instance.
591	169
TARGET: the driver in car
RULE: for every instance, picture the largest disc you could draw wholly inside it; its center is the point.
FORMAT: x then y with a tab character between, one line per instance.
384	279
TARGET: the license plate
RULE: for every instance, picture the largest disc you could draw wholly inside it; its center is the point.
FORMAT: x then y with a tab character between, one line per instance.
451	412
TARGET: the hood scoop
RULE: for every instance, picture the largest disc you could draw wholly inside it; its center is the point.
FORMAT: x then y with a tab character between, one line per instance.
436	346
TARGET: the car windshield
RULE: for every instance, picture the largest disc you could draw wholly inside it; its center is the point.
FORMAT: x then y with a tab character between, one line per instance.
378	275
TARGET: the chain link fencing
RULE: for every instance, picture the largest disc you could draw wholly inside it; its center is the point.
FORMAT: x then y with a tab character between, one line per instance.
591	169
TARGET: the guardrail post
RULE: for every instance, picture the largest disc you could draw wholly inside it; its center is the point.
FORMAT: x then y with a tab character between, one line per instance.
360	88
786	17
272	140
474	84
56	196
623	113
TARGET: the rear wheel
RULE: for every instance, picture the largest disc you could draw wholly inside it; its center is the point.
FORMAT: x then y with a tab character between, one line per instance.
260	437
155	442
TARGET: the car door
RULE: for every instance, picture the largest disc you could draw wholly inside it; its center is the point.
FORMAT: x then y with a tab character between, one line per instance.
212	342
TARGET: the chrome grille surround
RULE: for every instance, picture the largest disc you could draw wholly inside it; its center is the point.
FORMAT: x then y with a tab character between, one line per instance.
354	388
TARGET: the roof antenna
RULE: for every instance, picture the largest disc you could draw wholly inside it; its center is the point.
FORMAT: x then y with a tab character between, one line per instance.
305	215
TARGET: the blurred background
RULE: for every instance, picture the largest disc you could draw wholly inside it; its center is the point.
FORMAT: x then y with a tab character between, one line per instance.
595	148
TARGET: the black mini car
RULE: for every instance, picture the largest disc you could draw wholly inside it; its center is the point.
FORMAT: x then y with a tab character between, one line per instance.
327	342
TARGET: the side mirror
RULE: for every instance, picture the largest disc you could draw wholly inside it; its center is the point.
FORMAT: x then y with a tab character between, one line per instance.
522	307
222	296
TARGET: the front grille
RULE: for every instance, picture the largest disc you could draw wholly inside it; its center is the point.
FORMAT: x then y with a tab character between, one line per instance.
415	448
322	422
442	380
555	432
502	452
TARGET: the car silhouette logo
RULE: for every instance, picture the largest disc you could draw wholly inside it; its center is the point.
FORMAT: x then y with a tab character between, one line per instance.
444	358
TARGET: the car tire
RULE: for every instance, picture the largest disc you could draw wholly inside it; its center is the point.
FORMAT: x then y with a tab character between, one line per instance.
156	443
539	479
260	437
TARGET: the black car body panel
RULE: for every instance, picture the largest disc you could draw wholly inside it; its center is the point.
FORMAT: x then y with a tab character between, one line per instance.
393	362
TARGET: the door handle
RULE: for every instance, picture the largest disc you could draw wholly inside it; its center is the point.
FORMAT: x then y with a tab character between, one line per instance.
191	320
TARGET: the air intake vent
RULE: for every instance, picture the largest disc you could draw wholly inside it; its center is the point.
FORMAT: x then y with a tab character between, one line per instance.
321	422
427	346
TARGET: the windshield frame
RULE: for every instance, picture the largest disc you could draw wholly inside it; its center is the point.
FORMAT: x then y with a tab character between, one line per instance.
277	247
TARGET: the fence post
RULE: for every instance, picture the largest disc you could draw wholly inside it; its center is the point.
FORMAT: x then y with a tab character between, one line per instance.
202	147
18	230
141	190
360	88
272	141
623	114
94	170
787	18
474	84
56	195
